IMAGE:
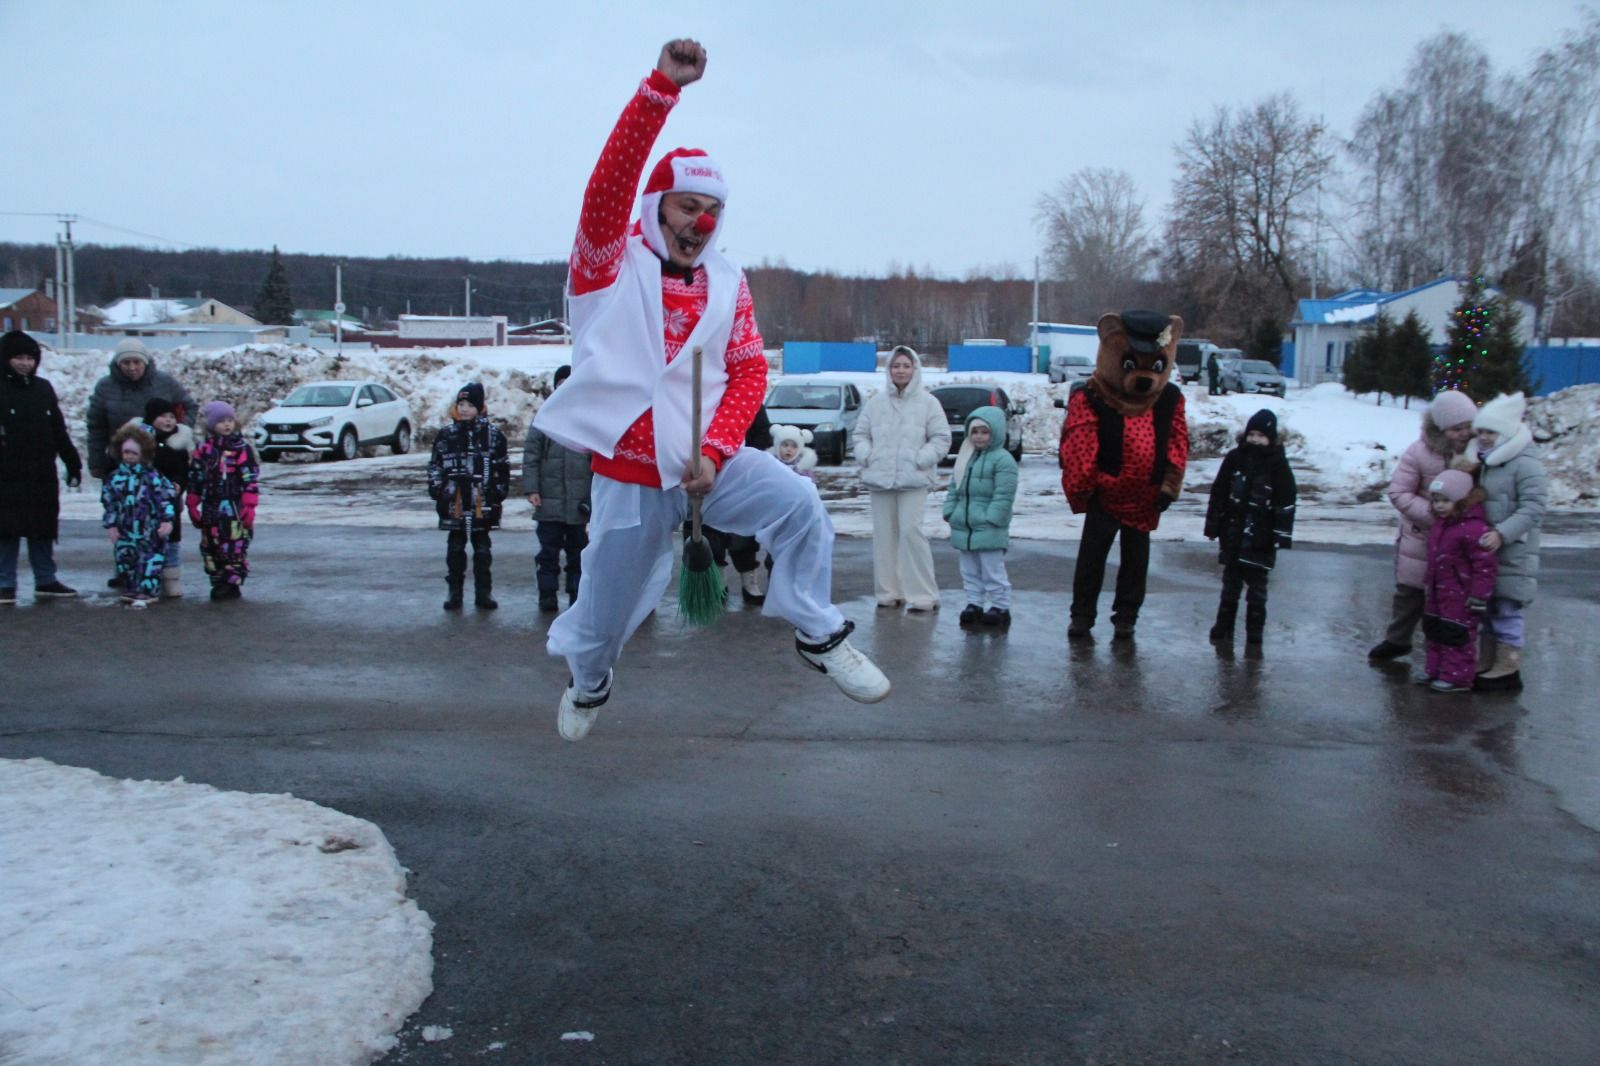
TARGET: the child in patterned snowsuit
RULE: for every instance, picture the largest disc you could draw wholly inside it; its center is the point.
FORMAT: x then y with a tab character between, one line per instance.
140	507
1250	516
223	489
1460	580
469	478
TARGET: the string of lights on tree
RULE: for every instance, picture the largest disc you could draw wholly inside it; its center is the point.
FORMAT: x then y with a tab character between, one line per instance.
1455	365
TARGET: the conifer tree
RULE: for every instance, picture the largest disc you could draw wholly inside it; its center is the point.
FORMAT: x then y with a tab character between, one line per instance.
1266	341
275	303
1456	364
1409	370
1363	370
1501	366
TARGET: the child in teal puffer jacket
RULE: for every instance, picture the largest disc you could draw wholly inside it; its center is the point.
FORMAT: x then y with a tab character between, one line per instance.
978	508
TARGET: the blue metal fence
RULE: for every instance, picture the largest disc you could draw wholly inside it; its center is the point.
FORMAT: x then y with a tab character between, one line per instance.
1555	368
990	357
813	357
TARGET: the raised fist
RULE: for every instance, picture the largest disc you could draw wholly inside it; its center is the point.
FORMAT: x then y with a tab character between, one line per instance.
682	60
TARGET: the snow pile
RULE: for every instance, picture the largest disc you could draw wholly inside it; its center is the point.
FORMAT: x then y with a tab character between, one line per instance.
159	922
1567	426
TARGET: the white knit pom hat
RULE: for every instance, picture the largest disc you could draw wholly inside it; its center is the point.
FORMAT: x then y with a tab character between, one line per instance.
1503	414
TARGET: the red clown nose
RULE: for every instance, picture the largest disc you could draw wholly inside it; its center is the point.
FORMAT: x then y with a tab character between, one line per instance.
705	223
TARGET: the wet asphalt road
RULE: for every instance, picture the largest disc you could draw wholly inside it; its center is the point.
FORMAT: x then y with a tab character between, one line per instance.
1028	854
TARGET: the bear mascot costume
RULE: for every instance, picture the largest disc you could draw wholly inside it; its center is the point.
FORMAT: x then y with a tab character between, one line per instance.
1124	446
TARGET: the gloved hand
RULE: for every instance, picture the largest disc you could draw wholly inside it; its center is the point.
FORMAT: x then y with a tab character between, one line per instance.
1163	501
1477	606
74	479
247	514
192	502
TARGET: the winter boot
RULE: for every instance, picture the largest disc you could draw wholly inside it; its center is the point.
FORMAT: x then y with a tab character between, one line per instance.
1488	650
8	597
1078	628
172	584
1385	650
997	618
1504	674
453	601
547	600
482	585
1222	629
970	615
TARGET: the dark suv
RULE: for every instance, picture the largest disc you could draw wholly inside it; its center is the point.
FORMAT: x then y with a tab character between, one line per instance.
959	401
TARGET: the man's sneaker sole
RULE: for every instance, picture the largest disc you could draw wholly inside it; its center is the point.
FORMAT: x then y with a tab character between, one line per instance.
576	715
52	594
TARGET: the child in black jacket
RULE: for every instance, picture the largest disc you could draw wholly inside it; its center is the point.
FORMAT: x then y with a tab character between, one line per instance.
469	477
1251	516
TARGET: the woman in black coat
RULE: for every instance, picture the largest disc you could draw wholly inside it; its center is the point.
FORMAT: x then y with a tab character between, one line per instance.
33	434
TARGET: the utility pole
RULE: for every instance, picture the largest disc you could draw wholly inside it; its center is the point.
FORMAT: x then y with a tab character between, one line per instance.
338	310
468	280
61	297
71	278
1034	337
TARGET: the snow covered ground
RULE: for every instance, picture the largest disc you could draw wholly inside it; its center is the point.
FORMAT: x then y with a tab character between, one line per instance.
162	922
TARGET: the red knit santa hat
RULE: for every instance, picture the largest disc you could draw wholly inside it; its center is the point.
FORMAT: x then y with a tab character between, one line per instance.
680	170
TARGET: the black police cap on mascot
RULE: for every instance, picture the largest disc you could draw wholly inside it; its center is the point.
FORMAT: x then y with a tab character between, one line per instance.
1144	329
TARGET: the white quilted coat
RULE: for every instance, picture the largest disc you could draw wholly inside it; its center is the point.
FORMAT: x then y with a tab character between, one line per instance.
901	436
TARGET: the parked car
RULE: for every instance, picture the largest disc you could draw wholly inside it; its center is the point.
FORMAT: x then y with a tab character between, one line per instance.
1252	375
829	409
1069	366
334	419
959	401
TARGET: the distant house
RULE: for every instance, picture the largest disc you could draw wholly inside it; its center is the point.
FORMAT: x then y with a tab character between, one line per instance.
1326	331
27	309
134	316
323	321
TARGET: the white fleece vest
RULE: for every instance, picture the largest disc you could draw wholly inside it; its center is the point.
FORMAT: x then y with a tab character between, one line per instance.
620	368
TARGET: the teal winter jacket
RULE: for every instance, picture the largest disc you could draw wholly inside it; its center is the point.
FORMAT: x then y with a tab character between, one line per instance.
978	503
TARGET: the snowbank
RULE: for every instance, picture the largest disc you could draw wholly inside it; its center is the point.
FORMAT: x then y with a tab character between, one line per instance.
157	922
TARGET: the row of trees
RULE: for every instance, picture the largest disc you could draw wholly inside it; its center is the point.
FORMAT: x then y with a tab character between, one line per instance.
1482	357
1458	168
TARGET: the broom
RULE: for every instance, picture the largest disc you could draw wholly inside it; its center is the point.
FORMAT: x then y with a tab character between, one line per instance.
701	590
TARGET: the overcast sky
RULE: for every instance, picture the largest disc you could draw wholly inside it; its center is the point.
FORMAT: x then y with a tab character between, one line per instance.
855	135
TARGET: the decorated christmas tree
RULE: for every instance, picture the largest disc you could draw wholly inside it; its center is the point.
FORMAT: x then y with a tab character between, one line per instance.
1484	356
1455	365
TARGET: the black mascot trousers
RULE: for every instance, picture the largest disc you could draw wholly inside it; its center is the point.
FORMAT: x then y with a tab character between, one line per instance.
1099	530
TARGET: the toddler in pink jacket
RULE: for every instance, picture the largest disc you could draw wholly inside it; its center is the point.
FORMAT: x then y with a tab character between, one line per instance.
1460	579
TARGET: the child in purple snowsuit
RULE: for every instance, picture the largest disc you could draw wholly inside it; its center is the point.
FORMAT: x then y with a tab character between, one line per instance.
223	488
140	506
1460	580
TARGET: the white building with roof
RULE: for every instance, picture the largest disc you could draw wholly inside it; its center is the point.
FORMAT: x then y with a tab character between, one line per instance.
132	315
1326	331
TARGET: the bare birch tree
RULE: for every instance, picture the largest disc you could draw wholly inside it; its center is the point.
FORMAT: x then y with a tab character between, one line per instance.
1095	239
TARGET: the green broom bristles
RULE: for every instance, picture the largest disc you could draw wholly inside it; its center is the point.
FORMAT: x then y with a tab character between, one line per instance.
702	592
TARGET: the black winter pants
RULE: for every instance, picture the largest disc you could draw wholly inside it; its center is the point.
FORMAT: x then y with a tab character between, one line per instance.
555	538
1251	579
455	559
1099	530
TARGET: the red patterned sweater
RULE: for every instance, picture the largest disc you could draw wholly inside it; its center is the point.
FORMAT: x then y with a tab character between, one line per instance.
603	233
1129	494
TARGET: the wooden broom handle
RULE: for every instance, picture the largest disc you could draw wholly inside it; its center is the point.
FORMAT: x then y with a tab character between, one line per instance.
695	459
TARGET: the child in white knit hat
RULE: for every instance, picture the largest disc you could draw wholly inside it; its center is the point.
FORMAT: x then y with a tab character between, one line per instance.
1517	490
790	445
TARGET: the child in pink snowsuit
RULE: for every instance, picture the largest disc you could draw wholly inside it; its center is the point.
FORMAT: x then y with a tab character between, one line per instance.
1460	580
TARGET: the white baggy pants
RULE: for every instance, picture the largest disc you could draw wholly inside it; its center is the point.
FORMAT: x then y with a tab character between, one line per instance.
629	559
902	561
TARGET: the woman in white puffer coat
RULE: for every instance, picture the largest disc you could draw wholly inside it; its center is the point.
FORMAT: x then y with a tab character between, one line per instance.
900	438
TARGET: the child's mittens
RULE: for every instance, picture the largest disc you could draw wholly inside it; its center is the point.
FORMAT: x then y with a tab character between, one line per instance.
247	514
1477	606
192	502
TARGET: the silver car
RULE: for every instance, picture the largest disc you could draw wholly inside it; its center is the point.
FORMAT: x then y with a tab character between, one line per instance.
829	409
1068	366
1252	376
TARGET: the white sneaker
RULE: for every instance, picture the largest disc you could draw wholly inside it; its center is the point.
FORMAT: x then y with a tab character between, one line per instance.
580	709
752	586
856	675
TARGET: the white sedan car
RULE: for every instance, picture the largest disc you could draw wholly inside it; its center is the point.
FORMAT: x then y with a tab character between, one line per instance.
334	419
